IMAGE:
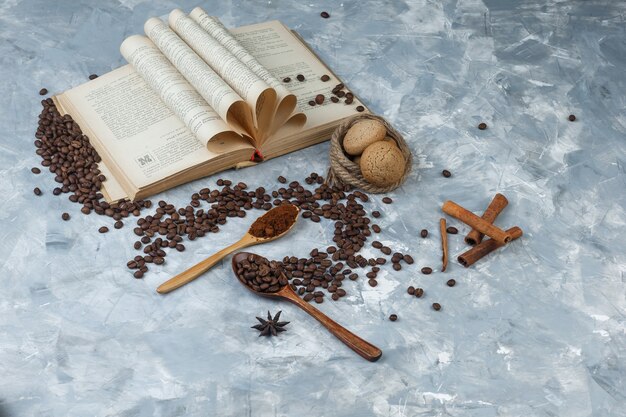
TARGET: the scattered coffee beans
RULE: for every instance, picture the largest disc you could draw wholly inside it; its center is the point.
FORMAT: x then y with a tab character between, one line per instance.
571	117
300	77
419	292
286	80
334	99
93	76
482	126
424	233
427	270
436	306
282	180
324	78
37	191
408	259
103	229
376	228
446	173
312	103
393	317
43	92
358	108
387	200
325	15
376	214
451	283
65	216
411	290
319	99
35	170
452	230
118	224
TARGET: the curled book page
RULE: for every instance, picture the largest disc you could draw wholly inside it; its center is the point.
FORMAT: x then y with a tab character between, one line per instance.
261	98
174	90
286	101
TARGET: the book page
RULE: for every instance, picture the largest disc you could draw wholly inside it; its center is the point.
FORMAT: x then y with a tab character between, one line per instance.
286	99
138	137
283	54
219	95
257	93
174	90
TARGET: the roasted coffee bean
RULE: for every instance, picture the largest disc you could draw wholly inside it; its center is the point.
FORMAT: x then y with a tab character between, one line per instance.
138	274
427	270
334	99
334	297
571	117
324	78
349	100
376	214
85	210
377	244
35	170
286	79
37	191
408	259
137	245
393	317
411	290
359	108
446	173
482	126
315	218
424	233
319	300
43	92
452	230
371	275
93	76
65	216
300	77
319	99
419	292
376	228
436	306
397	266
339	93
282	179
386	250
325	15
387	200
180	247
312	103
103	229
451	283
341	292
118	224
372	282
381	261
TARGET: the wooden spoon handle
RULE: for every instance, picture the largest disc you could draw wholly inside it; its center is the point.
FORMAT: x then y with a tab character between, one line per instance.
354	342
202	266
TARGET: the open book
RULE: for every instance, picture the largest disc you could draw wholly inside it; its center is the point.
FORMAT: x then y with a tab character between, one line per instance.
197	98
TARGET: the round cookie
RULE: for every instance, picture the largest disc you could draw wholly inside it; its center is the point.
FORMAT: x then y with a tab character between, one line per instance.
382	163
362	134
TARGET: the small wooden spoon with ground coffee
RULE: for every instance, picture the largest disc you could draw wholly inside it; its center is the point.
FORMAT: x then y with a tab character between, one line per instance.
266	278
270	226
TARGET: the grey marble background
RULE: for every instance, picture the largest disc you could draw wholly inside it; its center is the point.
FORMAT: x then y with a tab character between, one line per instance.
537	330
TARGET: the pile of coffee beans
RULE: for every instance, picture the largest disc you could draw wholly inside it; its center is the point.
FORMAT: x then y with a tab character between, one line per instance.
67	153
260	274
338	92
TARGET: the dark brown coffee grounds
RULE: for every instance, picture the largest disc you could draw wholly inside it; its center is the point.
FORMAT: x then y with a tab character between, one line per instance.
274	222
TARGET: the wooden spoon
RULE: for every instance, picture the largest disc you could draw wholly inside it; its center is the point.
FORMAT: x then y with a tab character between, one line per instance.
200	268
354	342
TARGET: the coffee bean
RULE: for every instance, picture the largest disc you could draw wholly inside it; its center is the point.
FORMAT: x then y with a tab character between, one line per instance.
397	266
377	244
376	214
138	274
180	247
319	99
446	173
419	292
452	230
35	170
286	79
37	191
118	224
103	229
387	200
137	245
451	283
411	290
65	216
381	261
43	92
334	99
300	77
325	15
427	270
376	228
372	282
93	76
359	108
349	100
408	259
393	317
324	78
312	103
436	306
319	300
282	180
482	126
386	250
571	117
424	233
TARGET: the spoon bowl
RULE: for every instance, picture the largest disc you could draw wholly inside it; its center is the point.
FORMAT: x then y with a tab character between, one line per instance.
354	342
247	240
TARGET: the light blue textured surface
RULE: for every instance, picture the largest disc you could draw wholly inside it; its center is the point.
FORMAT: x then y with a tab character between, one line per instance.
536	330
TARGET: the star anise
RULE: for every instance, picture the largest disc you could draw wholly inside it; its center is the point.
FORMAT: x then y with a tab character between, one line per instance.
271	326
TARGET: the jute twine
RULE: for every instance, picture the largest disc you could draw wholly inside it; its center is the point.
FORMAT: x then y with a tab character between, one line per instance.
343	171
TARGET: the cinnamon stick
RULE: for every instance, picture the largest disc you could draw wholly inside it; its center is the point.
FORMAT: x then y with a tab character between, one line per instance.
444	243
475	222
485	248
496	206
